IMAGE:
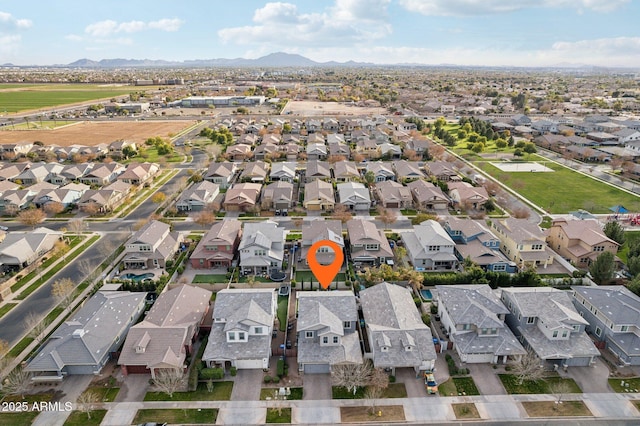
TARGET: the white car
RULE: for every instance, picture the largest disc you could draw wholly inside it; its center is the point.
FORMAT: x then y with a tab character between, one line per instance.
4	228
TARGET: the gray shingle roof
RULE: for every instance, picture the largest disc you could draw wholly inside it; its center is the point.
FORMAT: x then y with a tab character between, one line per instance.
617	303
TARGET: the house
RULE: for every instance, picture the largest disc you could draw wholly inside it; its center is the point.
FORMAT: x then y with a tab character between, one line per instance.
468	196
103	174
368	244
278	195
327	331
39	172
345	171
11	151
241	331
221	174
627	135
397	336
283	171
164	339
101	200
266	151
66	196
318	195
238	152
475	242
522	242
151	246
12	170
546	322
318	230
197	197
242	197
316	151
430	247
14	200
473	317
354	195
420	146
339	149
390	151
71	173
579	241
85	342
381	171
394	195
368	148
407	170
261	247
256	171
21	249
117	148
442	170
139	173
317	170
218	246
613	314
427	196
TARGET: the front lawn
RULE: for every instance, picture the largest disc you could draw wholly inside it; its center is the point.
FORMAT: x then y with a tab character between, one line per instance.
339	392
177	416
283	308
458	386
395	390
105	394
387	413
210	279
78	418
546	385
296	394
551	409
466	410
221	392
275	415
625	385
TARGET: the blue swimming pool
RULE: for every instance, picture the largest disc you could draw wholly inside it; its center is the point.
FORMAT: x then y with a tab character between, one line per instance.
426	294
135	277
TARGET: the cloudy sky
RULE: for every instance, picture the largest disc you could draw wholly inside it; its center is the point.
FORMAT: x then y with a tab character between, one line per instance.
464	32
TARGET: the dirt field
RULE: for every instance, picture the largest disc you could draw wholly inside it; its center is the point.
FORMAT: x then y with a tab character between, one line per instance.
314	109
93	133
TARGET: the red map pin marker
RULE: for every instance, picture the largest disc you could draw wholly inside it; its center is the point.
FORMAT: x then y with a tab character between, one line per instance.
325	273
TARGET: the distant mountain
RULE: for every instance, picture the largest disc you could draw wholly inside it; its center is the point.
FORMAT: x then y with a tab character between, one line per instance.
275	60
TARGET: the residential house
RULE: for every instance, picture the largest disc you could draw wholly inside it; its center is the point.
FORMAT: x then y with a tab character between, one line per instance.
256	171
116	148
278	195
327	331
390	151
546	322
151	246
14	200
317	170
70	173
84	343
266	151
221	174
579	241
339	149
430	247
420	146
139	173
66	196
319	230
239	152
368	148
407	170
345	171
218	246
241	332
394	195
165	338
397	336
242	197
627	135
12	151
331	124
20	249
428	196
473	317
442	170
354	195
103	174
101	200
613	314
382	171
283	171
38	172
316	151
318	195
523	242
475	242
465	195
9	171
368	244
261	248
198	196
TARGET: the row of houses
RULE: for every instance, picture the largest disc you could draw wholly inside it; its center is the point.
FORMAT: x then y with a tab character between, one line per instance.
50	152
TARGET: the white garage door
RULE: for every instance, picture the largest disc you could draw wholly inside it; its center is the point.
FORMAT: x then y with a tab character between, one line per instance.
247	364
317	369
478	358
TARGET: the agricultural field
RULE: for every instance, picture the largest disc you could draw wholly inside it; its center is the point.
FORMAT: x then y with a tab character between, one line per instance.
92	133
19	98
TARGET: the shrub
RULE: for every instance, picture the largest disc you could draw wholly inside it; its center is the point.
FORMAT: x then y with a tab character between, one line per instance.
233	371
392	379
433	309
212	373
275	379
193	377
267	379
426	319
281	367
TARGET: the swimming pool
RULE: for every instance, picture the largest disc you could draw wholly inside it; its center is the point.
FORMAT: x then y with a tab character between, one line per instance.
426	294
135	277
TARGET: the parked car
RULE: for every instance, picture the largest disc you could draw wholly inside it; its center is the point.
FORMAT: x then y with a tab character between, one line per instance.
4	228
288	344
430	383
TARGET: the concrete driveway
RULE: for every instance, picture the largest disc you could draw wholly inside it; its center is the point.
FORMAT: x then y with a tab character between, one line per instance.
247	385
415	387
133	388
590	379
317	386
486	379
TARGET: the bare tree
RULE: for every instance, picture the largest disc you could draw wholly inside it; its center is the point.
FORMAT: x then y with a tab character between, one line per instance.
36	326
528	368
559	388
91	208
351	376
53	208
87	402
106	248
386	216
86	268
18	382
342	213
76	226
31	217
139	224
204	218
169	380
521	213
63	291
4	358
371	394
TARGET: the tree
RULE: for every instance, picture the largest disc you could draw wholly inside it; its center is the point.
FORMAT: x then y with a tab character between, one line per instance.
91	208
602	268
489	205
169	380
370	177
53	208
559	388
18	382
351	376
31	217
371	394
342	213
421	217
386	216
87	402
76	226
528	368
139	224
204	218
4	359
401	252
36	325
614	231
62	290
634	285
251	280
85	267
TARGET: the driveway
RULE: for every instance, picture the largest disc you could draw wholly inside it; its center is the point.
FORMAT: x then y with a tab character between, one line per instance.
415	387
133	388
486	379
591	379
317	386
247	385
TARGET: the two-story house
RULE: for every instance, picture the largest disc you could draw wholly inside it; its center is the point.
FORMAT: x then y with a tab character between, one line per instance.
318	230
613	314
354	195
151	246
367	244
523	242
474	241
394	195
397	336
218	246
545	321
579	241
428	196
261	247
242	197
241	331
221	174
474	316
430	247
327	331
278	195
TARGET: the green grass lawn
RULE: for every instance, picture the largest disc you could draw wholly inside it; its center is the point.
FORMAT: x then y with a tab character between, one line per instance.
78	418
339	392
221	392
210	279
629	237
296	393
105	394
512	386
18	419
6	308
395	390
278	416
458	386
616	384
151	155
177	416
563	190
283	308
257	279
307	276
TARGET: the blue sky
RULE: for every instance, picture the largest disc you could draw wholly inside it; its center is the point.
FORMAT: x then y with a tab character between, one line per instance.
464	32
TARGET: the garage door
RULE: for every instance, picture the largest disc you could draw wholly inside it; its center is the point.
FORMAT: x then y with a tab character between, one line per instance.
478	358
248	364
317	369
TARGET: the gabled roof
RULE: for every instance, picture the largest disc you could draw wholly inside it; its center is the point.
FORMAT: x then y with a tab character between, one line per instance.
472	304
588	231
223	169
150	233
353	192
617	303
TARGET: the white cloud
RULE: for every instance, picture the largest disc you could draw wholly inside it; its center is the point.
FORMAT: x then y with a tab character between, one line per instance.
73	37
489	7
282	25
8	22
9	44
109	27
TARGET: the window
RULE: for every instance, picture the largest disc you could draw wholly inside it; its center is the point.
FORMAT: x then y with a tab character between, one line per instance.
576	327
260	252
325	339
598	331
232	336
624	328
531	320
308	334
466	326
555	333
536	247
346	324
434	248
499	268
336	340
598	248
371	246
258	330
564	333
241	335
